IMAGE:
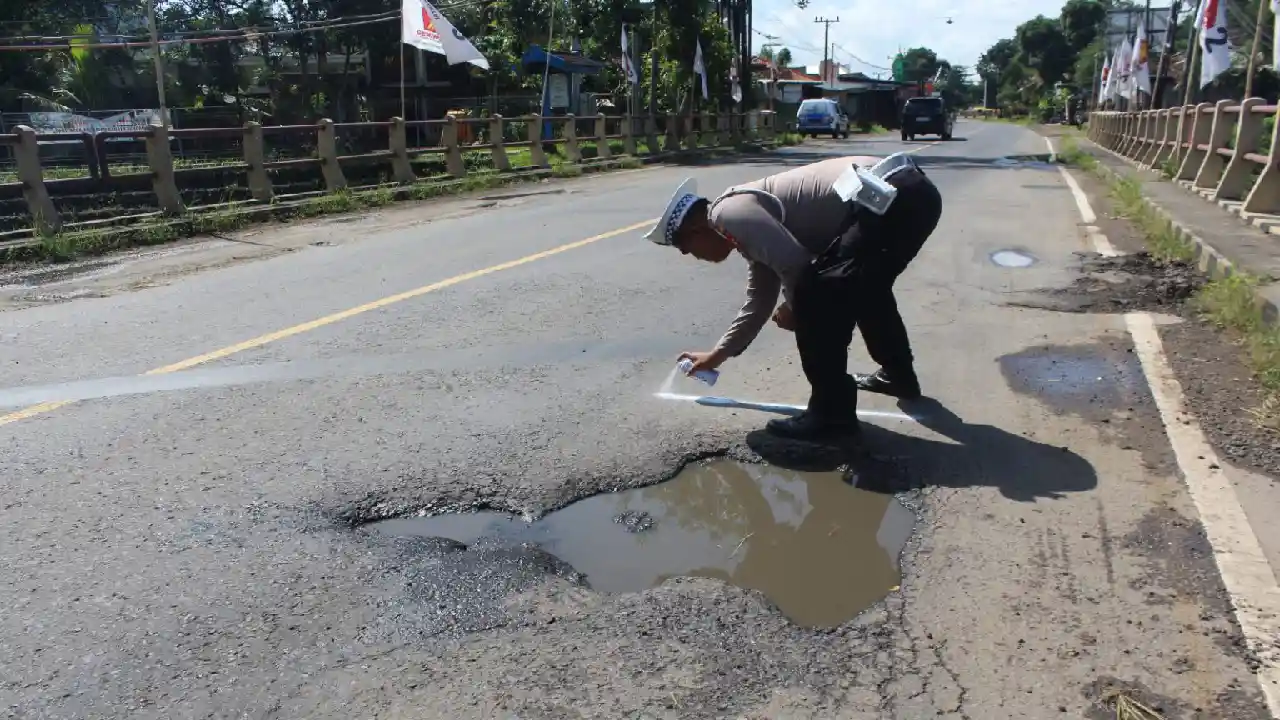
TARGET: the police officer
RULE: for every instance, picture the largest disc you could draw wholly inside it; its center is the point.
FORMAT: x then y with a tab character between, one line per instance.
834	261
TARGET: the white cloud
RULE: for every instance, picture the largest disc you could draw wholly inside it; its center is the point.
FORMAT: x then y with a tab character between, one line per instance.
874	30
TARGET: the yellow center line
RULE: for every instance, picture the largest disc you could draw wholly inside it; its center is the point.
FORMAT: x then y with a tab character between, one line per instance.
32	411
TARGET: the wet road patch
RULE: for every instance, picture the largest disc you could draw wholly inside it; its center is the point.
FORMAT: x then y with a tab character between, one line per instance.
820	550
1075	377
1103	383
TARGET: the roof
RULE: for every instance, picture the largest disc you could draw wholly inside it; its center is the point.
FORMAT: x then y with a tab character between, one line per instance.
561	62
784	73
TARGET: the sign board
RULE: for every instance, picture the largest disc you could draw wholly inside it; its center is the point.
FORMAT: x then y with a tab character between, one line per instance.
62	122
558	90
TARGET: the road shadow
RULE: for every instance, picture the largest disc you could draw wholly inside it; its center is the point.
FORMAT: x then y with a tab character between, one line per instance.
889	462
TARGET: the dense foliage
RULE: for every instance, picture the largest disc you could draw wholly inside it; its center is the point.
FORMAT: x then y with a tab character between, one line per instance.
275	73
1050	58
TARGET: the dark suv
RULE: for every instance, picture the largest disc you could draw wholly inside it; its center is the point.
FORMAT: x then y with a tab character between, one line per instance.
926	116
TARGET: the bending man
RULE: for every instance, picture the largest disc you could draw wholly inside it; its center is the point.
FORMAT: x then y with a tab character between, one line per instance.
835	263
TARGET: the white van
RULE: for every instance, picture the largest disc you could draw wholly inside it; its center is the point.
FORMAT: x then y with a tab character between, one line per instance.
821	116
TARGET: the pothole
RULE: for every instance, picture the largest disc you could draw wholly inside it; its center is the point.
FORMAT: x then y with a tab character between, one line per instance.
1012	259
820	550
1119	284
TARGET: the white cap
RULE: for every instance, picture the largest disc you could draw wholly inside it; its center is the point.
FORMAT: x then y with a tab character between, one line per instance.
664	233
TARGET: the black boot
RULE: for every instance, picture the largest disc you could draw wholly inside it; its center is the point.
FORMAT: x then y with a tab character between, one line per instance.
904	386
810	427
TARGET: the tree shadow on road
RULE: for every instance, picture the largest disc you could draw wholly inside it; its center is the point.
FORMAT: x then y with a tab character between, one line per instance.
885	461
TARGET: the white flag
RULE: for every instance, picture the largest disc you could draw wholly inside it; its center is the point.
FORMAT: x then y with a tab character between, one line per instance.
1215	49
628	68
1124	80
1104	81
700	69
737	88
1275	35
1140	72
424	27
1113	70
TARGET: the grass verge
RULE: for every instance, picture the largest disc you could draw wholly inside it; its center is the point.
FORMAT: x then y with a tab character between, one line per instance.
1228	302
66	246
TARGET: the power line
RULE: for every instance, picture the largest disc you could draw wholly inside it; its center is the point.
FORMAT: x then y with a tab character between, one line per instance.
248	34
873	66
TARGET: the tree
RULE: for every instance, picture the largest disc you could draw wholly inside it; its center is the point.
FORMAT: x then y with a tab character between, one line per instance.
997	59
1082	21
919	64
784	57
1043	47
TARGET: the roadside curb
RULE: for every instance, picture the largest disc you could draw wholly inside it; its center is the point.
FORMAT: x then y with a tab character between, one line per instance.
167	230
1211	261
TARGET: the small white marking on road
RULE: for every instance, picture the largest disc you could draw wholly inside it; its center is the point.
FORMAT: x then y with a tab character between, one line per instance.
1246	573
1053	154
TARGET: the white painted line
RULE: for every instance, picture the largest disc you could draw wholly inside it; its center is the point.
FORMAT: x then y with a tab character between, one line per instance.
1100	242
1082	201
1053	154
1246	573
777	408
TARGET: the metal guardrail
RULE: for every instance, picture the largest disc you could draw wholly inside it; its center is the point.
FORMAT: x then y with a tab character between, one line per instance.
319	143
1224	151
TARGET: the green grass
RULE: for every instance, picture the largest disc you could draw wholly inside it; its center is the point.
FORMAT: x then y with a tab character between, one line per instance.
1228	302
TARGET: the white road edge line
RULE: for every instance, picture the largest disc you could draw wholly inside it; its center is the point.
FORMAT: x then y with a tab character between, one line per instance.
1245	571
1053	154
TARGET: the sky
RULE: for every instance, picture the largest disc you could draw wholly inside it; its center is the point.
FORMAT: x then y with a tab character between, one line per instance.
873	30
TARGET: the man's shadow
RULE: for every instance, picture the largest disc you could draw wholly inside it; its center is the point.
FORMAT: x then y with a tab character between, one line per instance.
885	461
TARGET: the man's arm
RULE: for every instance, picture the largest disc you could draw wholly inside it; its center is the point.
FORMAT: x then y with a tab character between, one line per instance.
762	295
777	260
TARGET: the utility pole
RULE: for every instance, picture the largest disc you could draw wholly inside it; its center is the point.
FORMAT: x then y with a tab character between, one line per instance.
159	63
653	64
1170	36
826	45
1253	53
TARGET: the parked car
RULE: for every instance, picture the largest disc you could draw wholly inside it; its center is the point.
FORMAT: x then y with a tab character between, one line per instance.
927	116
819	116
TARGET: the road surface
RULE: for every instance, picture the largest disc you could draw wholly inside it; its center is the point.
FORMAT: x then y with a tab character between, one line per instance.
199	442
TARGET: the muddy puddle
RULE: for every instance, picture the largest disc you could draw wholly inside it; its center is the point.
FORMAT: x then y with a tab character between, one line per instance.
820	550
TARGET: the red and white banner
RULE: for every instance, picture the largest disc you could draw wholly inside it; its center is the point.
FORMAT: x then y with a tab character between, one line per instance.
426	28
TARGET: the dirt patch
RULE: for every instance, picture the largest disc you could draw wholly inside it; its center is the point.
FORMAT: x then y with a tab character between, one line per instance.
1119	285
1224	393
1180	564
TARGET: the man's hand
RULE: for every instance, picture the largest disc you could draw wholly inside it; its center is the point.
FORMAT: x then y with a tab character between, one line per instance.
784	318
703	360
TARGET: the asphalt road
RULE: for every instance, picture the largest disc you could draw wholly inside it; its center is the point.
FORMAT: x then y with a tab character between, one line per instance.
191	543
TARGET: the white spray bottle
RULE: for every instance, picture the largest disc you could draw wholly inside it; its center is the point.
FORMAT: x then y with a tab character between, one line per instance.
707	376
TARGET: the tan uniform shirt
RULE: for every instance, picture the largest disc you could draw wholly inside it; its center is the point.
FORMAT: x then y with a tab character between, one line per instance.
779	245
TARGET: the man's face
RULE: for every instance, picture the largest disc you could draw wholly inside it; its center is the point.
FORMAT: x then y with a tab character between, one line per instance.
703	242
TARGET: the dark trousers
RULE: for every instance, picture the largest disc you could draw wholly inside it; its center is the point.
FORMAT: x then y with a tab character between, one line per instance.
851	285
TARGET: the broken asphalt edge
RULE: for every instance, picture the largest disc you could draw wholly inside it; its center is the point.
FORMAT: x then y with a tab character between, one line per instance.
1211	261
